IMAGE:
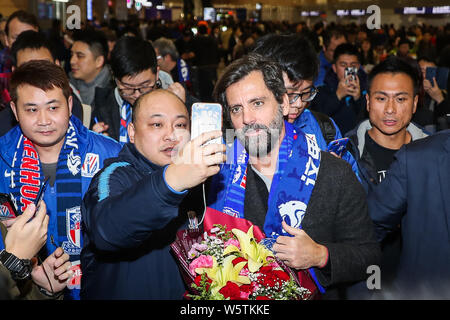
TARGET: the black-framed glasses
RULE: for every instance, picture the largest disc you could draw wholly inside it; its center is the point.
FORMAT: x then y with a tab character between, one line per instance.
126	92
304	96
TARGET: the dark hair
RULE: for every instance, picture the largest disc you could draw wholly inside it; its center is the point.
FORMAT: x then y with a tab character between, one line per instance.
403	41
30	40
23	17
395	65
427	59
346	48
96	40
293	53
41	74
240	68
328	34
131	56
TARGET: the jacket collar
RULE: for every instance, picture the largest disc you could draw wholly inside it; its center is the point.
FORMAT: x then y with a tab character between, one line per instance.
130	154
415	131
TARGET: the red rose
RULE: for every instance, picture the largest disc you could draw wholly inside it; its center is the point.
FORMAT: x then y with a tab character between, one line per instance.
246	288
237	260
198	279
231	290
281	275
265	270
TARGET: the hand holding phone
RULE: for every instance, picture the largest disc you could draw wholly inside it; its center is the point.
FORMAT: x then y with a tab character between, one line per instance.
338	146
206	117
40	194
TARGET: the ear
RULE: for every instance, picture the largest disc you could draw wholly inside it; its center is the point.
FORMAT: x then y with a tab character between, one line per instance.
416	100
131	131
285	105
99	61
57	62
70	104
367	102
14	109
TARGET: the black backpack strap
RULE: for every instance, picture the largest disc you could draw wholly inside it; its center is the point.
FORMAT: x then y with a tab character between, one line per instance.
326	126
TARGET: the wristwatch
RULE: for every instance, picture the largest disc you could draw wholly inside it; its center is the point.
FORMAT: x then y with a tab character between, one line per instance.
20	269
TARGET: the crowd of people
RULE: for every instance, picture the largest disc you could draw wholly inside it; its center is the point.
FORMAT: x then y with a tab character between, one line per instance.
103	113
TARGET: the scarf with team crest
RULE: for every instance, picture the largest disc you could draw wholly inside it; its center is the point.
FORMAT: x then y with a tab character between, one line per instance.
28	177
291	188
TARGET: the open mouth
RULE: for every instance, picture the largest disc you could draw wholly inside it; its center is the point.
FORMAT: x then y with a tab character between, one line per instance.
170	151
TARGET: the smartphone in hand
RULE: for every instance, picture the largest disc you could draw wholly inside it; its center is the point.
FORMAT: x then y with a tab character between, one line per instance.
41	192
206	117
338	146
7	207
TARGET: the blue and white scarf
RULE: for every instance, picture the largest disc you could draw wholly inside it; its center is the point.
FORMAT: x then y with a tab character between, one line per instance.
27	178
291	188
125	119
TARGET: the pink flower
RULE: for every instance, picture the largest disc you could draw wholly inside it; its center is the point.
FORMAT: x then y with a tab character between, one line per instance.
233	242
199	247
201	262
192	253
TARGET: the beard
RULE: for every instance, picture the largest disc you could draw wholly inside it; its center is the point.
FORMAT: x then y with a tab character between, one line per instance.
261	145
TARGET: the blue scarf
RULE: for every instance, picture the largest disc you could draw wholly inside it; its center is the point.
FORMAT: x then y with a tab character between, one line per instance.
183	71
28	177
125	119
291	188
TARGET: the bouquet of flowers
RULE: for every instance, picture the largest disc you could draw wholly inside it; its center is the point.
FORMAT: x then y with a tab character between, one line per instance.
231	264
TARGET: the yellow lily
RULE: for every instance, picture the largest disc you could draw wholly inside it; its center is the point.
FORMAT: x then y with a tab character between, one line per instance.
255	253
220	275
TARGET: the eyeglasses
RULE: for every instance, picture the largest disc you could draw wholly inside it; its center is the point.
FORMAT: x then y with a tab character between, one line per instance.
126	92
304	96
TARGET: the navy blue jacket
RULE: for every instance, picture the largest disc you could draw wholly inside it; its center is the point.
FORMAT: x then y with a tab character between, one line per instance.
418	183
130	217
345	112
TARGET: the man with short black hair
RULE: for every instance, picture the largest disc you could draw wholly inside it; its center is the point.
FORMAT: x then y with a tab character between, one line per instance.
135	70
342	95
88	63
392	99
331	39
50	143
32	45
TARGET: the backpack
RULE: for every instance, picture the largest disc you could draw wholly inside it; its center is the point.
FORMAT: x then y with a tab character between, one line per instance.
326	126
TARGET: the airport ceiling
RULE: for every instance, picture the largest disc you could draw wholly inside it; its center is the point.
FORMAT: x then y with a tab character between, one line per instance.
344	4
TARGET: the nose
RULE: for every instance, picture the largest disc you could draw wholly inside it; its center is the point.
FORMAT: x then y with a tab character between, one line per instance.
390	107
169	134
248	116
43	118
73	59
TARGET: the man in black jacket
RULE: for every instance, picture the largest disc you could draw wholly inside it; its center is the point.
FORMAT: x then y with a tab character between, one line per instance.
342	97
309	200
136	72
131	210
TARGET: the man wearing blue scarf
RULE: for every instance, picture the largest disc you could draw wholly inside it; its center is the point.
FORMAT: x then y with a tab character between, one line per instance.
309	201
50	143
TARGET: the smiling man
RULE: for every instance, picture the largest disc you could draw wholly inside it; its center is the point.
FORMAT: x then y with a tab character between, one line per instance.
309	200
51	143
135	69
135	206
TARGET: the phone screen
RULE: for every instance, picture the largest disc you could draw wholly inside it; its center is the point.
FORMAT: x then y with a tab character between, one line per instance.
206	117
